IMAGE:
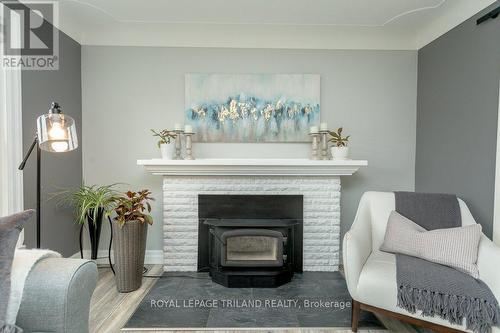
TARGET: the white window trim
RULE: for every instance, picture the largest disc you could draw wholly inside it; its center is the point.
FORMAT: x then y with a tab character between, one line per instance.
496	214
11	140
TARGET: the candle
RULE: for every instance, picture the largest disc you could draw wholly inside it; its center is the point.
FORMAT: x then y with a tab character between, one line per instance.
323	127
313	129
177	127
188	129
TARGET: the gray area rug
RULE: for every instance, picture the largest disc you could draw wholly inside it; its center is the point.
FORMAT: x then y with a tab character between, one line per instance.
192	300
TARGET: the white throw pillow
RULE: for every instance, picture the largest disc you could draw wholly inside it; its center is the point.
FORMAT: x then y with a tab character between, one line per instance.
454	247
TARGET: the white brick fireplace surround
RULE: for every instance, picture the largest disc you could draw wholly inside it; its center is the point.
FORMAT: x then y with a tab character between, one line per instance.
317	181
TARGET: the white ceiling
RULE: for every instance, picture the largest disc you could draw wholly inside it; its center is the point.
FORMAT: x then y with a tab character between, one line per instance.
316	24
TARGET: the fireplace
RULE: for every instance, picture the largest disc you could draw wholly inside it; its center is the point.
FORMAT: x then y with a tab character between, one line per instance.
318	182
245	247
250	240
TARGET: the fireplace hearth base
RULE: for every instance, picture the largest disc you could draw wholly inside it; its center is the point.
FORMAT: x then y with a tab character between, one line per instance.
251	279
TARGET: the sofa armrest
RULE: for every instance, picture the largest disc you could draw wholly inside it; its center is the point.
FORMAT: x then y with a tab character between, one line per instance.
357	246
57	295
487	262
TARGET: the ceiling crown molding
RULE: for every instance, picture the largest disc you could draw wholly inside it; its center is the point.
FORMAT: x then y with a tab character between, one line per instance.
339	24
454	13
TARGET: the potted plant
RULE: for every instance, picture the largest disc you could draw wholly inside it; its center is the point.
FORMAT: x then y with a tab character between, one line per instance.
130	228
165	143
91	204
339	150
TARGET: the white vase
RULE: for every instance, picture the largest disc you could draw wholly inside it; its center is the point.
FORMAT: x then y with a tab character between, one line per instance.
340	153
167	150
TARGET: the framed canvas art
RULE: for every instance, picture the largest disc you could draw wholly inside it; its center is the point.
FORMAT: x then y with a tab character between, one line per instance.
252	107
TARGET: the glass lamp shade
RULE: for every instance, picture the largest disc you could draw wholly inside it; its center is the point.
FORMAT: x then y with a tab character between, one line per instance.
56	132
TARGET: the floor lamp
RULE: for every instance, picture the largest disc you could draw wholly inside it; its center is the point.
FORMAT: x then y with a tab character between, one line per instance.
56	132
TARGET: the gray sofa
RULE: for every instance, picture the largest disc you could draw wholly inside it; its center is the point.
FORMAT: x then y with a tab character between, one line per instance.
57	295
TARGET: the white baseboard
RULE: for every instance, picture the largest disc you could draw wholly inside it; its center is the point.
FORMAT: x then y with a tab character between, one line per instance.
153	257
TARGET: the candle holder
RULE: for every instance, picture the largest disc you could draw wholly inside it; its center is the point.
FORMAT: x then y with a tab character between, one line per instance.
324	145
189	145
178	145
314	146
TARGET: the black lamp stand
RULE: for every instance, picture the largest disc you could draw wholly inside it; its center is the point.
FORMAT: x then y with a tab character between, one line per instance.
38	189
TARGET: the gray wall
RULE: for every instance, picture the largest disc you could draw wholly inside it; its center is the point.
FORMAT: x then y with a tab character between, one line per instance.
128	90
39	89
458	77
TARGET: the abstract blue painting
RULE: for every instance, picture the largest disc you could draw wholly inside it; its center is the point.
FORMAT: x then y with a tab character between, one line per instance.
252	107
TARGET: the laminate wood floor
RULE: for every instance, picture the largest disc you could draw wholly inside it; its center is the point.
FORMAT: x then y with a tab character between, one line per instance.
110	310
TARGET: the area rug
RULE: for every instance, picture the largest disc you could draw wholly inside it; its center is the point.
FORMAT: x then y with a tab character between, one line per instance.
192	300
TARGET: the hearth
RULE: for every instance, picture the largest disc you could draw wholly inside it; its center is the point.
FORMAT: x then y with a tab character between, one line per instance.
250	240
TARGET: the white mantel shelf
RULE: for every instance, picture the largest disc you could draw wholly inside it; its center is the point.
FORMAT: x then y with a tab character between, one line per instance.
252	167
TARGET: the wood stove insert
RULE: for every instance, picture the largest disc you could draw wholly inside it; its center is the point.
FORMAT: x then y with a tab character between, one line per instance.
250	241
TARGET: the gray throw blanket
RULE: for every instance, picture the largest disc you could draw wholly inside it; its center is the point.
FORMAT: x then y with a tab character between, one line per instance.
436	289
429	210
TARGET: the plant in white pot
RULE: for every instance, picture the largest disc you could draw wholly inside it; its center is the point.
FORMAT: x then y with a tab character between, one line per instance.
339	150
167	147
130	229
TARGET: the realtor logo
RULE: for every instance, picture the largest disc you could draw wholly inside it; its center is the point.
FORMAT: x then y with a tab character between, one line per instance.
28	38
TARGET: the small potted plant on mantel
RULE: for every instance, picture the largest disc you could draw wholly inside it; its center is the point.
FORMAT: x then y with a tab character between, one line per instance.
130	229
339	150
165	143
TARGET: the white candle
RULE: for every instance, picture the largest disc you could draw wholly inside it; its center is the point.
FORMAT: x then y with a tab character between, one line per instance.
177	127
313	129
323	127
188	129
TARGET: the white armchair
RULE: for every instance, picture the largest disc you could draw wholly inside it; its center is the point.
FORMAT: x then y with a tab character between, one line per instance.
371	274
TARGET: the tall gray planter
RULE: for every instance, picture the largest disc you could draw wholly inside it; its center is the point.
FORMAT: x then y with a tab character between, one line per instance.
129	245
